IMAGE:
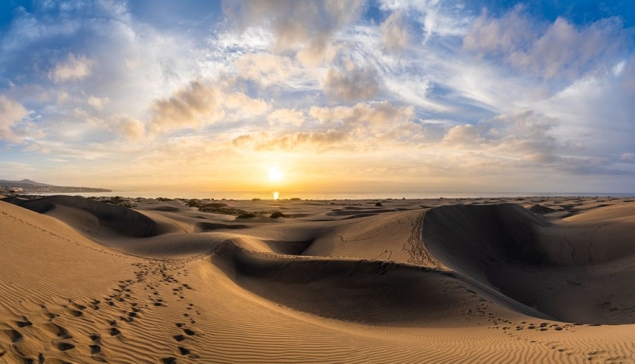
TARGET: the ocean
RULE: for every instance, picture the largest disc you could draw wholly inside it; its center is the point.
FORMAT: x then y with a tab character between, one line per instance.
237	195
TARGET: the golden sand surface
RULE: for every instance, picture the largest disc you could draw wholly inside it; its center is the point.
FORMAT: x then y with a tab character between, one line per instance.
509	280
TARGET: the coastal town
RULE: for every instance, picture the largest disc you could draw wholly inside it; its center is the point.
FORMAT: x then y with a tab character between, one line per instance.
27	186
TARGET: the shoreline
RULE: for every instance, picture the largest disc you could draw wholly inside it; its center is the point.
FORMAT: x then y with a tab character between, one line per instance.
245	196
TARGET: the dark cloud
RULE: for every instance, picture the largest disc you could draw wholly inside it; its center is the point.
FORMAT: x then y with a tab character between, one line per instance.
190	107
353	83
308	25
560	49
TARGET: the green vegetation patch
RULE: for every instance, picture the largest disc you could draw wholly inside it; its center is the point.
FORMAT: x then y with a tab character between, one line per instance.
120	201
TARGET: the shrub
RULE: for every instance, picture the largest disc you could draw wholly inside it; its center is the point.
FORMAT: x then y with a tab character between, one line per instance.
246	215
193	203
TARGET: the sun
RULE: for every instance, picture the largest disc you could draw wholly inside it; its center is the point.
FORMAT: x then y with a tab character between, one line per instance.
275	174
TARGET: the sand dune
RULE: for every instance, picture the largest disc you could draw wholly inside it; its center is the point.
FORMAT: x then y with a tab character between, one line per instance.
442	281
578	271
94	218
371	292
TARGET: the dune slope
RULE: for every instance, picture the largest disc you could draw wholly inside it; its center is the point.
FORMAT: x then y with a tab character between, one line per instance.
93	217
576	271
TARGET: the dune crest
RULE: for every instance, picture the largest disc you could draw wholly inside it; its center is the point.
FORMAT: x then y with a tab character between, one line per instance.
93	217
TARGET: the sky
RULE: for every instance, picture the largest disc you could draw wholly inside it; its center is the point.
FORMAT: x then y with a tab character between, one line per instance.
320	96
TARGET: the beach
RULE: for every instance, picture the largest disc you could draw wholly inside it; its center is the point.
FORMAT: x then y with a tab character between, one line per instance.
480	280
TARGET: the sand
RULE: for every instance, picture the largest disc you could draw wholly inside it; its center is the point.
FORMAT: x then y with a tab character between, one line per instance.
418	281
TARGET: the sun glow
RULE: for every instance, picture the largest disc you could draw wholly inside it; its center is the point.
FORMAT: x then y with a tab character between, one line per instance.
275	174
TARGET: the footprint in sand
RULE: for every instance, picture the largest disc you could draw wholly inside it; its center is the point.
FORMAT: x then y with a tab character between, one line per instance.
79	307
95	304
74	313
114	331
57	330
95	338
13	335
186	352
50	316
64	346
23	323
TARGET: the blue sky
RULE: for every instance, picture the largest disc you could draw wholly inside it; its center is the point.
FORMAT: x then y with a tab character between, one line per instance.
391	95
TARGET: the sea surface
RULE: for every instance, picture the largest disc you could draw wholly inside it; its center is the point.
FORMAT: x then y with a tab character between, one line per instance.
234	195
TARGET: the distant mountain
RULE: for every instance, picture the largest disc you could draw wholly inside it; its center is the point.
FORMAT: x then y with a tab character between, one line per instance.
22	182
30	186
34	183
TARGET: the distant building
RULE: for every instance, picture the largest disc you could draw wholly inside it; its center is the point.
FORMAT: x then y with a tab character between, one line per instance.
16	189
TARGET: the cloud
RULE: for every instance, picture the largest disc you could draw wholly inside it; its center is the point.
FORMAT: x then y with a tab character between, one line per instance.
316	140
587	166
282	117
304	25
96	102
394	31
462	135
520	142
353	83
313	139
130	128
376	116
199	104
628	156
264	68
11	114
243	106
190	107
499	35
552	50
361	126
17	170
74	68
443	18
243	141
525	135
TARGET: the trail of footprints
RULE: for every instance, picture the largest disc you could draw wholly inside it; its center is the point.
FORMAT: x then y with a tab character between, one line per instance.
514	330
121	310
